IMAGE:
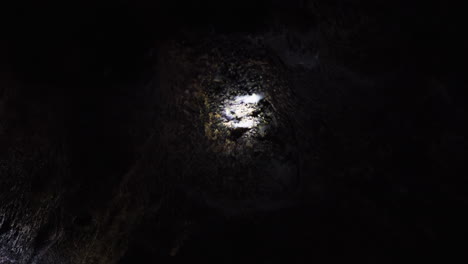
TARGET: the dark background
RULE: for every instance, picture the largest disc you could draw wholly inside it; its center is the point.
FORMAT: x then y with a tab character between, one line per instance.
391	174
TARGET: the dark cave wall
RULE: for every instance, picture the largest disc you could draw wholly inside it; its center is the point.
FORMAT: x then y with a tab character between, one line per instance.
87	169
64	197
33	168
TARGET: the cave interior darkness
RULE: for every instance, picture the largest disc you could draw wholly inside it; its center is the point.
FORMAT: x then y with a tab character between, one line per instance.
131	131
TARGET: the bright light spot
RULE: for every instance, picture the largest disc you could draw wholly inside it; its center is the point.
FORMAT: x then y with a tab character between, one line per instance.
238	112
249	99
245	123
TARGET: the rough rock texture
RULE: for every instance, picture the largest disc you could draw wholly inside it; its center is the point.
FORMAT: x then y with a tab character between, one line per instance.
33	167
306	128
229	157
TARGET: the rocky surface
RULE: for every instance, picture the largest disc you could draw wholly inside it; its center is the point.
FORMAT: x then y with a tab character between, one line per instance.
240	115
312	128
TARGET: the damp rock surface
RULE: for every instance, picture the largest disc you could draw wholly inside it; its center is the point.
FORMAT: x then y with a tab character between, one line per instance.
239	110
138	130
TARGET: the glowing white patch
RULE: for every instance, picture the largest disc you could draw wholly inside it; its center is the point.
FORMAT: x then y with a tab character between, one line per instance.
249	99
239	111
245	124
